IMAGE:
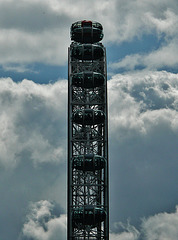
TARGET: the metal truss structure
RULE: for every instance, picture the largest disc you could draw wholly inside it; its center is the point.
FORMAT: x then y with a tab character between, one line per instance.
88	206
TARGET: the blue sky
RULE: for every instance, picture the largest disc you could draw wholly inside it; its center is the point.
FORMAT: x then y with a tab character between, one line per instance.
141	43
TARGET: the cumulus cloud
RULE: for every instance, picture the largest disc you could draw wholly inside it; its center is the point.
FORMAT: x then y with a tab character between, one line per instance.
32	31
35	31
31	119
33	148
143	124
126	232
167	23
143	143
139	94
19	68
43	222
165	56
160	226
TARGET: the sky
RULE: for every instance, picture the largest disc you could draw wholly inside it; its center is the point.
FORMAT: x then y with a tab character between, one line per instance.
141	41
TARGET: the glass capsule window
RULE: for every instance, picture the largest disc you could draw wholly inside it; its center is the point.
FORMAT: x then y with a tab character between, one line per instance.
76	25
88	79
86	32
88	162
87	51
89	215
88	116
80	24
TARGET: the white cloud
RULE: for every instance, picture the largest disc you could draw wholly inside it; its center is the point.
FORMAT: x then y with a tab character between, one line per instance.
166	24
47	47
32	31
127	232
19	68
123	236
161	226
140	93
143	126
43	224
35	31
164	56
30	122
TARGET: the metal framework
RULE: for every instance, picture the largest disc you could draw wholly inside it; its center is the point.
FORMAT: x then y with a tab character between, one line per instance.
88	205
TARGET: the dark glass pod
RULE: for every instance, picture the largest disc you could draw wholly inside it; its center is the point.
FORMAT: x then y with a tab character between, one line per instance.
86	32
88	162
87	51
88	117
88	215
88	79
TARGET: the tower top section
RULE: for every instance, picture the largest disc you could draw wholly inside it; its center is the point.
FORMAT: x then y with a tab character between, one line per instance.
86	31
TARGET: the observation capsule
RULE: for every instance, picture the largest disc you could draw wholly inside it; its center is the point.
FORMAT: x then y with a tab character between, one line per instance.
88	162
86	32
88	79
87	51
88	215
88	117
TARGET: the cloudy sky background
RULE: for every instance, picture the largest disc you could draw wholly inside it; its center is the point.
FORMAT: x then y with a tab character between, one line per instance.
141	39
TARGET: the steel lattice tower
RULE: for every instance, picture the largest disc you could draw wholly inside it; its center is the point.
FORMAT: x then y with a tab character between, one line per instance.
88	206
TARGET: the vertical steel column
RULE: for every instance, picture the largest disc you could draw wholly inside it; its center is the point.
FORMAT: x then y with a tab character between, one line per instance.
88	193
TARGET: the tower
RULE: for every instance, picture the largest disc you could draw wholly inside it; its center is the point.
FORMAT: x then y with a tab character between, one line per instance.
88	195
